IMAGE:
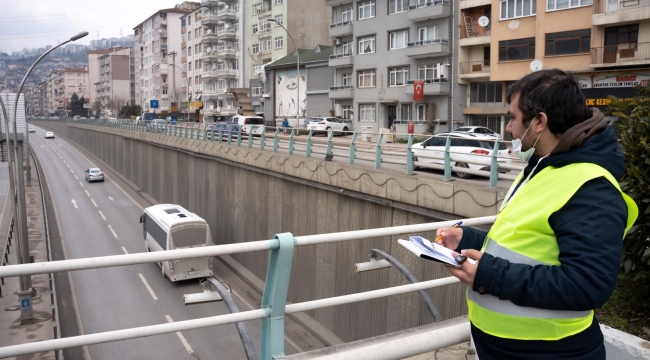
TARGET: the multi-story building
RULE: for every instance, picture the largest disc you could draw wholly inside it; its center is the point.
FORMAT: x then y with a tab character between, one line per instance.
157	44
51	94
383	50
113	88
69	81
93	68
192	62
605	43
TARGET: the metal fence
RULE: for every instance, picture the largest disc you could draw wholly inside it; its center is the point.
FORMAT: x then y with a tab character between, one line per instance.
273	306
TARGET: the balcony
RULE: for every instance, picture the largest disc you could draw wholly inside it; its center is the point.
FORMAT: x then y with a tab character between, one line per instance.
263	32
228	15
427	48
341	60
226	34
210	3
208	75
228	54
475	70
474	35
619	11
209	19
210	56
341	29
341	92
333	3
431	87
227	74
209	38
434	9
632	54
163	34
466	4
211	94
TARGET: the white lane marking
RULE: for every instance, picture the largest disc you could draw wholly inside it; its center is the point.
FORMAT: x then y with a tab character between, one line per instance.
71	171
82	185
87	193
113	231
60	145
74	203
102	214
94	203
110	198
61	157
146	284
67	165
76	177
180	336
124	249
42	146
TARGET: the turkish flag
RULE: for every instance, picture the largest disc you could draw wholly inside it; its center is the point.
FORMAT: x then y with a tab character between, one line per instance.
418	90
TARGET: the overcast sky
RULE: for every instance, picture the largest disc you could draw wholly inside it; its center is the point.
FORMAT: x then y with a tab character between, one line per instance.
34	24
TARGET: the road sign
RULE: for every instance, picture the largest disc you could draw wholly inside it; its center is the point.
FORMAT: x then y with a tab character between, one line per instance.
196	104
25	304
173	108
153	104
87	106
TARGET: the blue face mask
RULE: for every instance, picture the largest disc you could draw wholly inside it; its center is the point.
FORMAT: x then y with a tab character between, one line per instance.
516	146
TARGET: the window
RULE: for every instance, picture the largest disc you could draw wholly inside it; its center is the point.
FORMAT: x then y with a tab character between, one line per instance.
278	19
398	76
184	52
279	42
256	90
427	72
266	44
366	112
221	66
347	47
626	34
346	15
406	112
189	67
257	69
511	9
396	6
257	9
398	39
569	42
256	49
347	79
189	36
189	21
520	49
366	9
347	112
427	33
277	2
189	51
565	4
366	78
485	92
255	28
367	45
420	112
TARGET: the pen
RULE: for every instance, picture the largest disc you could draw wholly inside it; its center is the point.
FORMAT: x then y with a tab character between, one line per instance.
453	227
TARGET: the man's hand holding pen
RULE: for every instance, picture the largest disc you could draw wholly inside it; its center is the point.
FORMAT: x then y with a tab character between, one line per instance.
450	238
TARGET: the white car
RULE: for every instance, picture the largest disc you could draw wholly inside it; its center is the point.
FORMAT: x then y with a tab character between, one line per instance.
49	135
464	149
32	129
322	124
479	130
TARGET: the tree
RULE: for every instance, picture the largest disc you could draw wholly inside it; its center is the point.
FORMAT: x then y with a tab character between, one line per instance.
130	110
633	130
97	107
76	106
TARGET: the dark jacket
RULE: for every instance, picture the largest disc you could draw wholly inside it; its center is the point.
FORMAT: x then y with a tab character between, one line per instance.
589	230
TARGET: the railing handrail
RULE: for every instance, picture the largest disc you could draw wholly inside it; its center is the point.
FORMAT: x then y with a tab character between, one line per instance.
608	8
427	42
5	248
631	45
339	24
341	87
336	56
428	3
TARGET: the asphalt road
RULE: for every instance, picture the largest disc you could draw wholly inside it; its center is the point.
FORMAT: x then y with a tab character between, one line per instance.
100	219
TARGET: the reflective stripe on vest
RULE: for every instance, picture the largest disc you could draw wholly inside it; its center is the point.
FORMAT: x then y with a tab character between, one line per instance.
521	234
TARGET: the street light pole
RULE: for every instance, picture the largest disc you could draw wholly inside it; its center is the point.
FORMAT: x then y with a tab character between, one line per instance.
297	69
26	291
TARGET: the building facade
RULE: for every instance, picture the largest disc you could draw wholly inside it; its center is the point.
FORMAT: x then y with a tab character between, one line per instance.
65	83
606	44
157	48
192	62
382	50
113	88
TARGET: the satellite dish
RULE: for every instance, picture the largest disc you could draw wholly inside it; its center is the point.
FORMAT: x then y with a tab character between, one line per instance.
225	7
535	65
211	106
226	26
218	109
209	32
483	21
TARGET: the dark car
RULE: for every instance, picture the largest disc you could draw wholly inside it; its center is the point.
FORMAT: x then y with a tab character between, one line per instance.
224	128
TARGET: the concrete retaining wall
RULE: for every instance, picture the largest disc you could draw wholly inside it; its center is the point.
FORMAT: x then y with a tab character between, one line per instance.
248	195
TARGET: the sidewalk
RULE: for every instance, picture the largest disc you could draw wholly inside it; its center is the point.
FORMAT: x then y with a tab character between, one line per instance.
11	332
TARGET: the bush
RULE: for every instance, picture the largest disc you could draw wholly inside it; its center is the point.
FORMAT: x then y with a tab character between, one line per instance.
633	130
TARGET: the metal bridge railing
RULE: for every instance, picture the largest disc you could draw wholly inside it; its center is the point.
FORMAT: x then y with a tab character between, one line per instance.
379	153
5	250
273	306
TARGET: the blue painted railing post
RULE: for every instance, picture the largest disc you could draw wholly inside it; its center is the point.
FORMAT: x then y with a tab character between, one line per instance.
291	141
353	148
329	142
274	299
409	156
447	161
220	136
239	136
276	140
230	134
250	137
308	150
263	138
378	151
494	166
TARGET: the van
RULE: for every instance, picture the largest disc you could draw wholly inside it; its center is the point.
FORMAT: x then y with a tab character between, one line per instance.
249	124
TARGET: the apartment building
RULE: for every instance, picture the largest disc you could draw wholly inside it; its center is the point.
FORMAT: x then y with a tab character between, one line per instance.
93	69
65	83
605	43
114	86
191	64
51	94
157	44
383	50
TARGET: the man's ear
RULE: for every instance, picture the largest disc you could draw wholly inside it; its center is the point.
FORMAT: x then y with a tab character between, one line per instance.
542	122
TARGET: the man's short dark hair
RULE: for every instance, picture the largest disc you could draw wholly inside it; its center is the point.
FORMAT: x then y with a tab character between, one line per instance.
553	92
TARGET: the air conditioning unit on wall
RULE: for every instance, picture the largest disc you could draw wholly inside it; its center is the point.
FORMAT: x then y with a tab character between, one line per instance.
337	41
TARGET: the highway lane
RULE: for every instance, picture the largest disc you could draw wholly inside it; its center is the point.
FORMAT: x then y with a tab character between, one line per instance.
101	221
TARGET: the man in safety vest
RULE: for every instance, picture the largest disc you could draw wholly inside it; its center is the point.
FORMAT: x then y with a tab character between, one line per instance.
553	253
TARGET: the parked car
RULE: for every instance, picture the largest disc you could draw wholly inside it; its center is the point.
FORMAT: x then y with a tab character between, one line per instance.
49	135
94	174
224	128
478	130
323	124
248	124
464	148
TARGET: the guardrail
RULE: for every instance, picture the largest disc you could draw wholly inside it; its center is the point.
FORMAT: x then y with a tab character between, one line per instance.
6	251
379	153
273	307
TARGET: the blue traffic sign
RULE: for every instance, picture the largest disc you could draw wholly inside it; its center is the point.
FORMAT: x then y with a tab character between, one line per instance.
153	104
25	304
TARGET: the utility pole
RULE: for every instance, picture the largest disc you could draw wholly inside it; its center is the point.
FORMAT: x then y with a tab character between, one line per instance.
173	55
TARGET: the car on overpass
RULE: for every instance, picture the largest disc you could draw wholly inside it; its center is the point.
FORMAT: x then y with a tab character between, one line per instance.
32	129
49	135
325	124
224	128
469	151
478	130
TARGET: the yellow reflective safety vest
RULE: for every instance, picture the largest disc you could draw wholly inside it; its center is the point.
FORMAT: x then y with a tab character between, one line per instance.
521	234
